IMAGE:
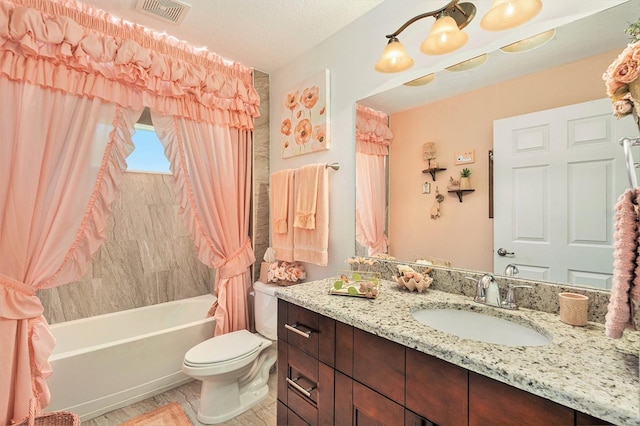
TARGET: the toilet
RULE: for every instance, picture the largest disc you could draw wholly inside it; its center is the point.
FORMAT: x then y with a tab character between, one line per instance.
234	367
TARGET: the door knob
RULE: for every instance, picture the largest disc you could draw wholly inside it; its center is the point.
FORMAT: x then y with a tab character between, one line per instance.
504	252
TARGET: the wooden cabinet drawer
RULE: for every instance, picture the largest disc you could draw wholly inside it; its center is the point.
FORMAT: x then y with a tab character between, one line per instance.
303	372
436	389
309	387
301	384
379	364
302	329
309	331
496	403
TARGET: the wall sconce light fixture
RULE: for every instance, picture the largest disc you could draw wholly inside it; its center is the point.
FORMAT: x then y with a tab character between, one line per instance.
446	34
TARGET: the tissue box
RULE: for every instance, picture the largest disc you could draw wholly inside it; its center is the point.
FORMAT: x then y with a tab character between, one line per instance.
264	269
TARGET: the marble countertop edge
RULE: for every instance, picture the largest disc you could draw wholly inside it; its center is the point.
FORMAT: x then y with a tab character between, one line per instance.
562	371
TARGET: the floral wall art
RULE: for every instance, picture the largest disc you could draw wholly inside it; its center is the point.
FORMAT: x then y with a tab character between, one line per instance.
304	124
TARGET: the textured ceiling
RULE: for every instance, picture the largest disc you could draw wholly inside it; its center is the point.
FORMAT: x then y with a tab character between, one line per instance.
263	34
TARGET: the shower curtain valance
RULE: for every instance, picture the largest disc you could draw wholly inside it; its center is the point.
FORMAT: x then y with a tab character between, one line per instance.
75	48
373	135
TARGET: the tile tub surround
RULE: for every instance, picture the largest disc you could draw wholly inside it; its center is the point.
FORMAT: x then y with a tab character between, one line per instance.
581	368
543	296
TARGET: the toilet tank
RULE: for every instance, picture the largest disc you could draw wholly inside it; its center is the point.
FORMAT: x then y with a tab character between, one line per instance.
266	309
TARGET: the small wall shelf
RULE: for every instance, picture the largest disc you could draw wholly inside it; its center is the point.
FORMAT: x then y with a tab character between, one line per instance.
433	172
459	192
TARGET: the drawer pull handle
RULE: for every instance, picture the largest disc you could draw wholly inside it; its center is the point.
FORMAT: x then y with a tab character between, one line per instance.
294	328
305	392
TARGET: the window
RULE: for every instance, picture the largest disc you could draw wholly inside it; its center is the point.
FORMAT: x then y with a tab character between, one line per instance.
148	155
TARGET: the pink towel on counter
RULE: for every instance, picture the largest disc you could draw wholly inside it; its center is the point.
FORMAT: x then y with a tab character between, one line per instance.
312	245
307	182
626	280
282	211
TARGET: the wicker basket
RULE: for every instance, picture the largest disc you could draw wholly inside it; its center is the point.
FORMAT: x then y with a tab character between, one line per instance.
55	418
573	308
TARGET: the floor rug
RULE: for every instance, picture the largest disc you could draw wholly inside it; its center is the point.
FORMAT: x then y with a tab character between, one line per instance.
170	414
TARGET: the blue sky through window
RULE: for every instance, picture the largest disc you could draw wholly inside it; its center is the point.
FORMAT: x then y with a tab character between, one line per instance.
148	155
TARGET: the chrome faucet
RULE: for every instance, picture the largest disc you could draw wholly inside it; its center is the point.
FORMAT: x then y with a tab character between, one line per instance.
488	291
482	285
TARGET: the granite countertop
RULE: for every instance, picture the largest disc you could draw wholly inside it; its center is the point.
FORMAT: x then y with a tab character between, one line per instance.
581	368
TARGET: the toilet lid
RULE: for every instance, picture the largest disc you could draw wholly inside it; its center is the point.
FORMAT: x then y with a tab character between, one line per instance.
223	348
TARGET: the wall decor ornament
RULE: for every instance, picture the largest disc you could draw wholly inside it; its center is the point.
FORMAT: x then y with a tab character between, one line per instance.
304	123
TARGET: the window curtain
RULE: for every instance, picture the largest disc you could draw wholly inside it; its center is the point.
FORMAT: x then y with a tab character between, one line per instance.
212	169
73	81
373	138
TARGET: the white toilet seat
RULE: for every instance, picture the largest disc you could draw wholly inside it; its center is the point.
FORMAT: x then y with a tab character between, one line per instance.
224	353
223	348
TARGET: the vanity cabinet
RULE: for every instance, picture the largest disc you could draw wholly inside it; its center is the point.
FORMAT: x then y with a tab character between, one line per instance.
306	355
493	402
332	373
436	390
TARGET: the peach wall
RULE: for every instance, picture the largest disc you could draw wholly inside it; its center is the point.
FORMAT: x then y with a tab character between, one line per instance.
464	232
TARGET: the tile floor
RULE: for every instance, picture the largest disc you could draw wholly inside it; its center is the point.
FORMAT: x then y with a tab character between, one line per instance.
188	395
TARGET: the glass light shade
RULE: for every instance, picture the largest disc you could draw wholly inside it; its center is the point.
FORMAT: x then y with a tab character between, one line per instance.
469	64
394	58
421	81
506	14
444	37
529	43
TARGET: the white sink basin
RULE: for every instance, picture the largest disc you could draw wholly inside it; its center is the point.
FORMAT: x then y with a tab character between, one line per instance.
480	327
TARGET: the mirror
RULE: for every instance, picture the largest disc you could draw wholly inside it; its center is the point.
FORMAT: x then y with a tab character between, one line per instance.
463	234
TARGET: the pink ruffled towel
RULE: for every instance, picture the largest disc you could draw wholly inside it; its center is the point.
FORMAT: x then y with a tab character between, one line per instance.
282	211
307	181
625	288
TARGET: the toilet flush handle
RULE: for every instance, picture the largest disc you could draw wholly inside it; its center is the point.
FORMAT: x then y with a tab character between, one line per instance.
294	328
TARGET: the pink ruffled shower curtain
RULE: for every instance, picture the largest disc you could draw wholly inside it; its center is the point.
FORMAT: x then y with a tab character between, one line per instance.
212	167
373	137
73	81
61	158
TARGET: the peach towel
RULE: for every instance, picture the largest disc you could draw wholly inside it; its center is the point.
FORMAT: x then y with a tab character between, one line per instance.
312	245
626	272
307	181
282	210
280	193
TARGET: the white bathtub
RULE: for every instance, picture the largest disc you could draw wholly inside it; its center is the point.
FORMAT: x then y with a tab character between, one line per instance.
109	361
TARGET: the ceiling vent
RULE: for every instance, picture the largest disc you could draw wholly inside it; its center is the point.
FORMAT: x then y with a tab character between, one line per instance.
172	11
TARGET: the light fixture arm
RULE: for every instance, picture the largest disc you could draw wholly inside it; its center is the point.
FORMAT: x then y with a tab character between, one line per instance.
462	13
